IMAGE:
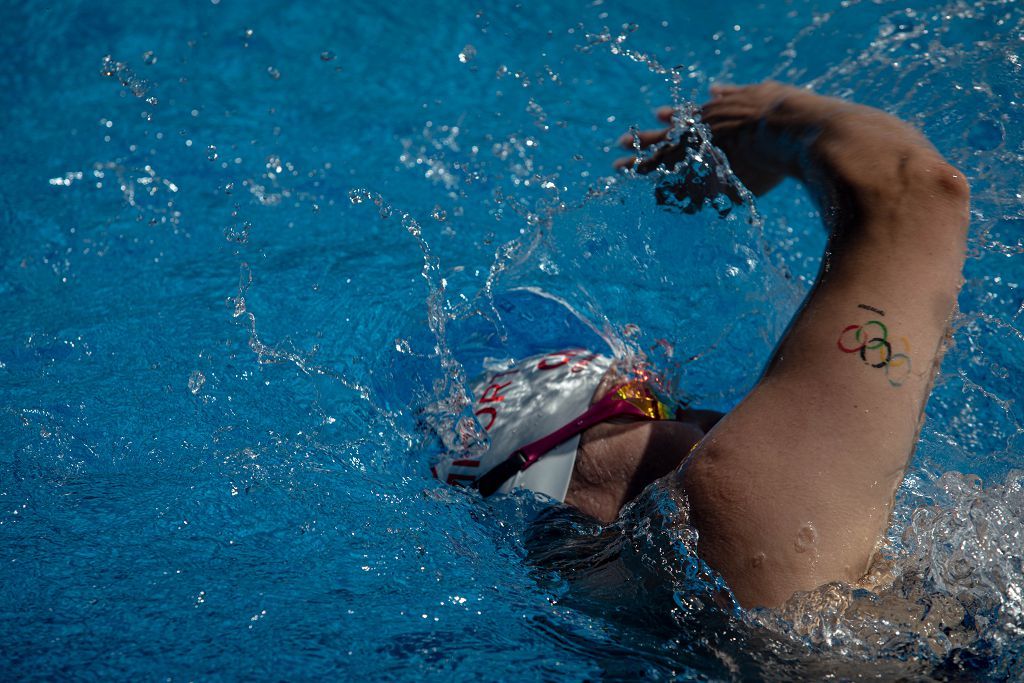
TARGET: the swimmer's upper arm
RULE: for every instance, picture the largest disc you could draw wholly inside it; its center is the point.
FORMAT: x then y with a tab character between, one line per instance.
795	486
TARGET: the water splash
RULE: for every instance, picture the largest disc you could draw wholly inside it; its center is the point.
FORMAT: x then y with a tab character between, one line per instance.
281	353
120	71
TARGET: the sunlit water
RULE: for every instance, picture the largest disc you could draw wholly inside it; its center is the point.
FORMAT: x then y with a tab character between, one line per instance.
249	251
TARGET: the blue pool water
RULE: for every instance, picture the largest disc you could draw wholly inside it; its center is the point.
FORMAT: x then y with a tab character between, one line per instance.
249	249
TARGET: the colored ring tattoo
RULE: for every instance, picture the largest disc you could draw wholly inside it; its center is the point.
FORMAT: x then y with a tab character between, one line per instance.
897	381
864	342
879	338
839	342
881	342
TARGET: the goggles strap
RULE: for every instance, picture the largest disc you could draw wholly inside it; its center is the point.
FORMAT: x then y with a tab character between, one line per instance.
608	407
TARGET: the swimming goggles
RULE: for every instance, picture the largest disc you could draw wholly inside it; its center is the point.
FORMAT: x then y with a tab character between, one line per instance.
633	399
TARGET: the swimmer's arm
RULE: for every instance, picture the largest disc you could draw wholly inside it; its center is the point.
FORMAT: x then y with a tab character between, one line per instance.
794	488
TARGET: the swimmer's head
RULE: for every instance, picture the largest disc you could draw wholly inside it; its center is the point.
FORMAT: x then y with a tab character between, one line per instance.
520	403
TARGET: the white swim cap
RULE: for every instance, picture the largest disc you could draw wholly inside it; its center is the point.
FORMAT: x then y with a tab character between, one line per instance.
529	401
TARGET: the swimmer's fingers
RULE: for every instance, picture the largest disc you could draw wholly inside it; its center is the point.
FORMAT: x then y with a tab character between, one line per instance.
622	163
717	110
728	120
725	127
645	138
667	156
665	114
724	89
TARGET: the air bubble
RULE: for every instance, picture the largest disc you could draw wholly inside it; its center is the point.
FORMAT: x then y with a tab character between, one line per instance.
149	58
439	214
211	153
326	56
273	72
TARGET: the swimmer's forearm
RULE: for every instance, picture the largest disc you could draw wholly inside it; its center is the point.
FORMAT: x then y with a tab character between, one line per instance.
857	192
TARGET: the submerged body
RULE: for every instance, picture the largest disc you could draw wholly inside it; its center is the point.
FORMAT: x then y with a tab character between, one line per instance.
794	488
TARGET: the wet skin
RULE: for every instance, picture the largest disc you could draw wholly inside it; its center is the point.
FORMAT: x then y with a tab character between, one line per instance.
794	488
617	459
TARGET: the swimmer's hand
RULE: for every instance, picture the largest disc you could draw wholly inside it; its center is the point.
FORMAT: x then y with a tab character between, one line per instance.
668	155
733	125
688	187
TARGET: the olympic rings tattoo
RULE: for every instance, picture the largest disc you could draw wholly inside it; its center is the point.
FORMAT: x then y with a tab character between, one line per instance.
871	342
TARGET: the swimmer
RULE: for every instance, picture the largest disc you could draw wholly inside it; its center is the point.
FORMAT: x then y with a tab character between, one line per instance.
793	488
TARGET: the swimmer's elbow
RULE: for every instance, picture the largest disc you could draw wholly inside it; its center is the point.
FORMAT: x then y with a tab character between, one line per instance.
942	182
927	201
953	183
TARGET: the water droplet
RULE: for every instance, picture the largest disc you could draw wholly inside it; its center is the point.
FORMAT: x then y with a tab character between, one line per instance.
238	234
549	266
410	224
326	56
152	101
108	68
196	381
149	58
211	152
467	54
806	538
273	72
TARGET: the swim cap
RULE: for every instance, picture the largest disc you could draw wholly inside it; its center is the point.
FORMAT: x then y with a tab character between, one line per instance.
532	399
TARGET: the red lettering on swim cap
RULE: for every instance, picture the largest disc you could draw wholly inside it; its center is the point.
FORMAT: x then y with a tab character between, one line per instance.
582	363
556	360
489	411
491	393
